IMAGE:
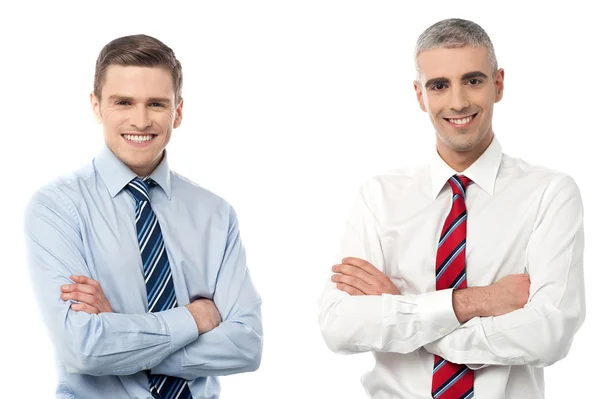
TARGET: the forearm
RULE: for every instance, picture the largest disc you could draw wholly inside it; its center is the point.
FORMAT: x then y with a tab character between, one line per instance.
537	335
106	343
120	344
388	323
235	346
540	333
470	302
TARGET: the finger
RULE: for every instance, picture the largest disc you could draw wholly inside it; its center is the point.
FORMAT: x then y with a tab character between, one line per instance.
83	307
362	264
81	297
354	282
85	280
350	260
357	272
85	288
350	290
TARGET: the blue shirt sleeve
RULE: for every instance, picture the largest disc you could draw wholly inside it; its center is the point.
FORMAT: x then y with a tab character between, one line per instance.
103	344
235	346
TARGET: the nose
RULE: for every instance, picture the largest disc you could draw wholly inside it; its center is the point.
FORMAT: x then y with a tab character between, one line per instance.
459	99
140	118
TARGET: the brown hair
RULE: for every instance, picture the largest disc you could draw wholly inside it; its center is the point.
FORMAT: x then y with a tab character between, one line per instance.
138	50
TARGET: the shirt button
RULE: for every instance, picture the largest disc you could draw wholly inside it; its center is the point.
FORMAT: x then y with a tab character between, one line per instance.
443	331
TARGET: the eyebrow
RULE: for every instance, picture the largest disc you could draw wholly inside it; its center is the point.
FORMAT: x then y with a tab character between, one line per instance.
466	76
472	75
159	100
130	99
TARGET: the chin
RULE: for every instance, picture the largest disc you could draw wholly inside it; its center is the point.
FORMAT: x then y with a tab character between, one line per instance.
461	143
463	148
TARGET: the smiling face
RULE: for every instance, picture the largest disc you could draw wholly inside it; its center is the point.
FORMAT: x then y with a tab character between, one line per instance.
138	112
458	87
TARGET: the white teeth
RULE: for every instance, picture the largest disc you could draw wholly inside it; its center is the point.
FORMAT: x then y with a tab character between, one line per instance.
137	139
461	121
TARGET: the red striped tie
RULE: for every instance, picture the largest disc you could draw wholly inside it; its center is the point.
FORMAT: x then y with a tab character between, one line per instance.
452	381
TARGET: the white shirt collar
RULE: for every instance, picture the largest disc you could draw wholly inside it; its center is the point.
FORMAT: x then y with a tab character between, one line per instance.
482	172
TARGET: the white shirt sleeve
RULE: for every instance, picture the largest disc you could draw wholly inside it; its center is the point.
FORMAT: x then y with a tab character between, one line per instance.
541	333
388	323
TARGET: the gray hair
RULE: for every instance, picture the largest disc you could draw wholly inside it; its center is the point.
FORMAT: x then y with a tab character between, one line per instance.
455	33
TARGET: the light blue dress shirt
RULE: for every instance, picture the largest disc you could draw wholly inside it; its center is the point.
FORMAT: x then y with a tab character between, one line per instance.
84	224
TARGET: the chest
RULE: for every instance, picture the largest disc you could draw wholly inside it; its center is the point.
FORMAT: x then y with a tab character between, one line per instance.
498	228
192	244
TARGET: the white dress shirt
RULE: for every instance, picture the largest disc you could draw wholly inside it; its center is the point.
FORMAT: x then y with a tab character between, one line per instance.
521	219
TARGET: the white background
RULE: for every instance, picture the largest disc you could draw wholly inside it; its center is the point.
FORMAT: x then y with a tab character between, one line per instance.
289	107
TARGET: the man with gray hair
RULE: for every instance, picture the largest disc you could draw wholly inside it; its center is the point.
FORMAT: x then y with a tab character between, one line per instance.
450	309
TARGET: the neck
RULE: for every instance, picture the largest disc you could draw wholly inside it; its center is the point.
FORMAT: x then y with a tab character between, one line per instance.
461	160
146	170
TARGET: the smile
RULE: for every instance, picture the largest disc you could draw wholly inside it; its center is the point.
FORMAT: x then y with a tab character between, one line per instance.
138	138
461	122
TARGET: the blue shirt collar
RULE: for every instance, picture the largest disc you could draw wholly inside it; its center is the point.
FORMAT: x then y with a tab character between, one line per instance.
116	175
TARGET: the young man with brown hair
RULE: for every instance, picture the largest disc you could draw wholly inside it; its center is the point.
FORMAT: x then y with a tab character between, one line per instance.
140	274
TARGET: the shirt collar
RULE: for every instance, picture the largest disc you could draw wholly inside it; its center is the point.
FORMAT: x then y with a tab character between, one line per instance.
116	175
482	172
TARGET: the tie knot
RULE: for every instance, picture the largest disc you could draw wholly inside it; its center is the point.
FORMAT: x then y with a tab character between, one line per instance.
459	184
140	188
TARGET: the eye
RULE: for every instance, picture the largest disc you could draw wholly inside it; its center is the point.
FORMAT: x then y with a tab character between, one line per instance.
438	87
122	102
474	82
157	105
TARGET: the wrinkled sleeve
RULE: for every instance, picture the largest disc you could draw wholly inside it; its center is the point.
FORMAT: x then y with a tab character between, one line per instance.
97	344
235	345
387	323
541	333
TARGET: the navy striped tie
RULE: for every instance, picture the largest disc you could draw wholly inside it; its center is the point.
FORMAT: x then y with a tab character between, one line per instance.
159	281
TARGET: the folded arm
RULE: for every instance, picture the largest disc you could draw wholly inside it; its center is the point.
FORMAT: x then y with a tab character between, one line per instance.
541	333
383	323
235	345
95	344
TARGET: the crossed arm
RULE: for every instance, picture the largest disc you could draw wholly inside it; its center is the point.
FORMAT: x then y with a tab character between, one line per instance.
89	338
89	297
521	319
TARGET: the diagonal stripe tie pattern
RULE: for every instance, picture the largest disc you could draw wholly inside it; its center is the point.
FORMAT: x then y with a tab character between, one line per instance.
453	381
159	281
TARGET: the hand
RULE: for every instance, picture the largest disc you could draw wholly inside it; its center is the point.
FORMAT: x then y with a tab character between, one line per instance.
205	314
359	277
88	293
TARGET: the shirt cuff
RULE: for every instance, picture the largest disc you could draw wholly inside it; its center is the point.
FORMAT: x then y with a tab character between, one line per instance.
437	312
181	326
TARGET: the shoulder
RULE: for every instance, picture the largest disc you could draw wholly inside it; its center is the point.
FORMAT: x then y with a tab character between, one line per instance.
64	189
396	182
57	198
537	177
194	195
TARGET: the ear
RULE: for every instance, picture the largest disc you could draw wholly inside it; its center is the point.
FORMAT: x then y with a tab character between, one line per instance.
95	103
178	115
419	92
499	83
